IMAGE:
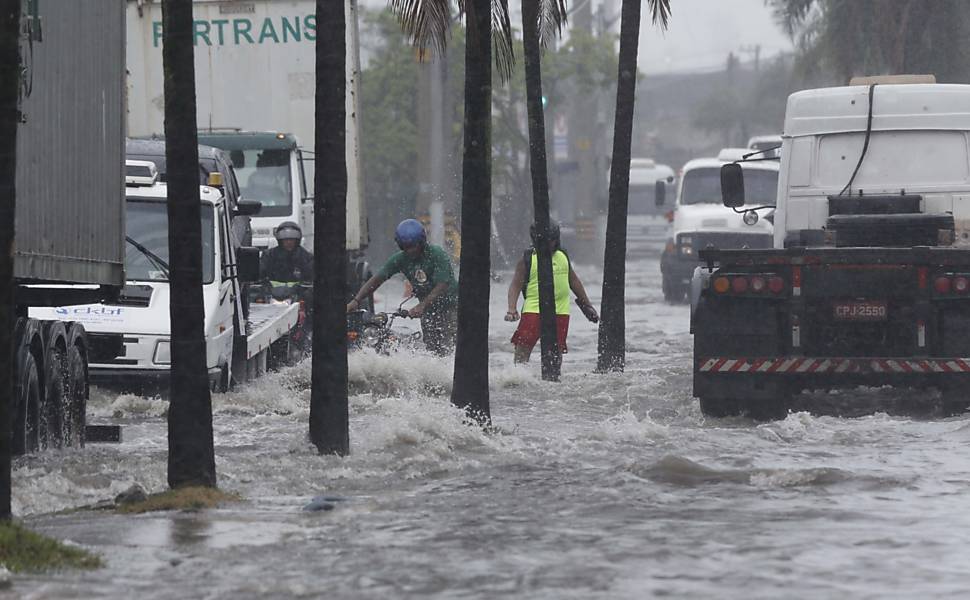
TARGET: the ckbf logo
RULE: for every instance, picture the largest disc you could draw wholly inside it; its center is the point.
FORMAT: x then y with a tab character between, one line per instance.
420	276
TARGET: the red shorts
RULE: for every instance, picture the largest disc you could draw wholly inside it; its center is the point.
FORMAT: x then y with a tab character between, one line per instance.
527	334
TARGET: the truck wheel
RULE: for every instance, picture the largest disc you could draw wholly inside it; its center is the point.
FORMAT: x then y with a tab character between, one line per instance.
774	409
50	431
954	401
719	408
279	354
27	395
673	293
76	396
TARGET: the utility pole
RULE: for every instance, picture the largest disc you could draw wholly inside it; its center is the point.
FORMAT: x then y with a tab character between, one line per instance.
582	134
433	164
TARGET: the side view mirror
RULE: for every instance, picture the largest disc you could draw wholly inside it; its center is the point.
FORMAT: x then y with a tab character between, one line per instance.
247	208
660	193
247	264
732	185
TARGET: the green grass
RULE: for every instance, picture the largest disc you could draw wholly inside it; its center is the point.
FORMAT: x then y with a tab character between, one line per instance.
22	550
187	498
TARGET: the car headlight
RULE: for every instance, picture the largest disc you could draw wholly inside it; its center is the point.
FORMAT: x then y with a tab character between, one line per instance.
163	353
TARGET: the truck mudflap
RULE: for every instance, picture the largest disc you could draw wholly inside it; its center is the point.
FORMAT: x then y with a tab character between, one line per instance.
808	365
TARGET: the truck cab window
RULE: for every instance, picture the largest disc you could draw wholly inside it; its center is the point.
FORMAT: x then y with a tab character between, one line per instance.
704	186
147	226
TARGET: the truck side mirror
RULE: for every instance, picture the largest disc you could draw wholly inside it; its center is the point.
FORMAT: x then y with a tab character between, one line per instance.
247	264
660	193
247	208
732	185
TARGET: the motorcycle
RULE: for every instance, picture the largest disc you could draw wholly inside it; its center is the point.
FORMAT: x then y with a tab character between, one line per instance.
289	292
375	330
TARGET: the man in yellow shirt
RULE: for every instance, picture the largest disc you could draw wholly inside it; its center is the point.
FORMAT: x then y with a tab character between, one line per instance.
526	281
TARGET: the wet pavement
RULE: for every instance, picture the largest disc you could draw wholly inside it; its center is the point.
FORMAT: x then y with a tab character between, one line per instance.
601	486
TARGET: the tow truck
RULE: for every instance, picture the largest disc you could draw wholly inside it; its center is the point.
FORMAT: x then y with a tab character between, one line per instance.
132	334
868	280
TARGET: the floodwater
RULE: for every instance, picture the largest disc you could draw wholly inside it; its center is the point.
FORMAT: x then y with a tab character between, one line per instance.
596	487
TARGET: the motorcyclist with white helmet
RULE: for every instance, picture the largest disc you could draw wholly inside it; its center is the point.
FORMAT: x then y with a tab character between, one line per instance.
288	262
428	270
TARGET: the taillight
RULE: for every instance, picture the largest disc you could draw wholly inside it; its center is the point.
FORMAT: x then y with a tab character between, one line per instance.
754	284
942	285
961	285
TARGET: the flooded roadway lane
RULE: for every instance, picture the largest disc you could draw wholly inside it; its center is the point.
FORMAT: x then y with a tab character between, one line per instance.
597	487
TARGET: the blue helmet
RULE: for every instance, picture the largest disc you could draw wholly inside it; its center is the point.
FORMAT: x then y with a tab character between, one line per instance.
410	232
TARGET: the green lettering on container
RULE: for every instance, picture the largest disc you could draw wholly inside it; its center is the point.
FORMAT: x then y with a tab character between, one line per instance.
220	24
242	27
202	32
291	29
310	22
156	33
268	31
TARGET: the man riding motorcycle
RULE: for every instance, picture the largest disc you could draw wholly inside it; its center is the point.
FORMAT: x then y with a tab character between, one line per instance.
288	262
287	273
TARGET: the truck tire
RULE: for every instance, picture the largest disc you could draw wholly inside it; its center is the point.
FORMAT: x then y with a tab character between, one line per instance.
774	409
279	354
719	408
77	388
27	396
954	401
55	398
673	293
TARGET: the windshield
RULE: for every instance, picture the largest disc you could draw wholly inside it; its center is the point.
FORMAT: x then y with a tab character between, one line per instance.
264	176
146	254
703	186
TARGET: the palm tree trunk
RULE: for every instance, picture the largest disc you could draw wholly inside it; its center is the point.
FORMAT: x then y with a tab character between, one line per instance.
191	456
329	413
549	343
612	332
470	383
9	86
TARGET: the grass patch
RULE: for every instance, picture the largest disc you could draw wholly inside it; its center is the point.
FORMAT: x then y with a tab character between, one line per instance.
22	550
187	498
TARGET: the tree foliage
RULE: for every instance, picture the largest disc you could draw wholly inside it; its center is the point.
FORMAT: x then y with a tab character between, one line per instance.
837	39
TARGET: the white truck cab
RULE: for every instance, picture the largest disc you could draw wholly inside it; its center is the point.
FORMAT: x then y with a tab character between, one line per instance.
701	220
136	329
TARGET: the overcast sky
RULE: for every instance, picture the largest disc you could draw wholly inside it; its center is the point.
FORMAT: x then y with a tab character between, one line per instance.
701	33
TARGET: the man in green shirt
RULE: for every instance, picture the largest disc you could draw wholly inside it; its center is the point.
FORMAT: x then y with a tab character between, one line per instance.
428	270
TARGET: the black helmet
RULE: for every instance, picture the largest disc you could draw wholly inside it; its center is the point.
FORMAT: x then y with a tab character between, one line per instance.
288	230
553	232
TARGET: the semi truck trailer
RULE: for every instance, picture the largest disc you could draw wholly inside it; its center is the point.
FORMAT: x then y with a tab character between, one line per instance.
868	279
69	243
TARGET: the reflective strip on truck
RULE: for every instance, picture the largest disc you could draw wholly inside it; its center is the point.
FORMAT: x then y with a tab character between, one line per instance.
801	365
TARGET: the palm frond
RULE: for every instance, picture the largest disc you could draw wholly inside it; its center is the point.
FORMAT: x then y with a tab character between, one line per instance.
790	14
502	39
552	18
660	12
426	22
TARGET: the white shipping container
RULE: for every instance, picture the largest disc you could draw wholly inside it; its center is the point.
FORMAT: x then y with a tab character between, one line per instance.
254	62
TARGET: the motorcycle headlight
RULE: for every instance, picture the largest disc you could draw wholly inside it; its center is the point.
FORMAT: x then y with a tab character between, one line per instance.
371	336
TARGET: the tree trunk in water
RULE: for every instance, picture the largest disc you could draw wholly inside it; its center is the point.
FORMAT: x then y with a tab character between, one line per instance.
329	413
612	332
9	119
191	457
549	343
470	383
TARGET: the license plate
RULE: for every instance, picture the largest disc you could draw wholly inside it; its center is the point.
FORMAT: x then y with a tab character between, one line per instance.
871	310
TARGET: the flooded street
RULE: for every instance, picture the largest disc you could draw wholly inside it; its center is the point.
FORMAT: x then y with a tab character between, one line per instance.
597	487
